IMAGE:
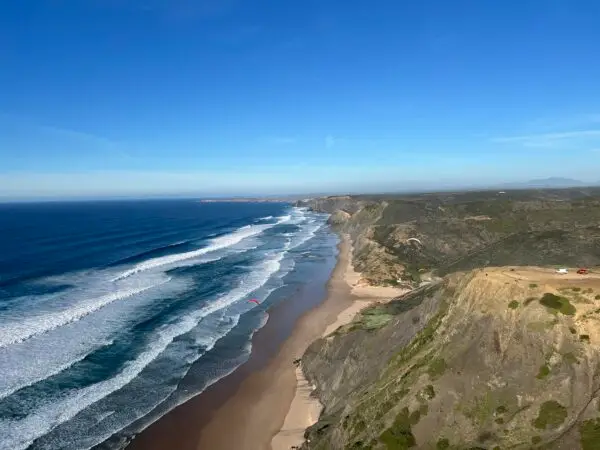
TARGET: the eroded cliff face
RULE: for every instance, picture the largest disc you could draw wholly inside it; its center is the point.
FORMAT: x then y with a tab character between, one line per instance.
498	351
357	218
495	358
405	240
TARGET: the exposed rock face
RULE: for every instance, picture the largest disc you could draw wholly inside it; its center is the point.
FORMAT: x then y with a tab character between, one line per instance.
461	232
330	204
339	217
499	353
459	361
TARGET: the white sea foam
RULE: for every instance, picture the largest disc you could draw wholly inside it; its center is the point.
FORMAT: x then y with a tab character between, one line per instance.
20	330
309	234
19	434
14	377
218	243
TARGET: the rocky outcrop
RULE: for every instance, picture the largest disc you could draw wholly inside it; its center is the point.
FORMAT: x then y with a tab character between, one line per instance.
497	351
405	239
477	361
331	204
339	217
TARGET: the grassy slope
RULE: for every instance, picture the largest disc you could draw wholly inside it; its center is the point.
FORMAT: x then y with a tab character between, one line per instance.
474	361
466	369
469	230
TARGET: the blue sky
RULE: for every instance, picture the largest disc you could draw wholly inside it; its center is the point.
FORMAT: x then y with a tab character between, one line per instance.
145	97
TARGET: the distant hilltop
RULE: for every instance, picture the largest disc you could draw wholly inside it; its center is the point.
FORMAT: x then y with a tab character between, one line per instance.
249	200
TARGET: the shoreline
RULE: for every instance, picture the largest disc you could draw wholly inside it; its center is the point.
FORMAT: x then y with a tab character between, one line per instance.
262	401
266	403
183	425
305	409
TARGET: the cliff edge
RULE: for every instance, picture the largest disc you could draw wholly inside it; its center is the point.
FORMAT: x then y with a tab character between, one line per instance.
492	348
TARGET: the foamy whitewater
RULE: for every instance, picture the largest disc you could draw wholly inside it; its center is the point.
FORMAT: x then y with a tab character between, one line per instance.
105	308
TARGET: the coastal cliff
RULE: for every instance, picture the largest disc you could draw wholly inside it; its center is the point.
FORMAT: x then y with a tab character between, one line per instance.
491	349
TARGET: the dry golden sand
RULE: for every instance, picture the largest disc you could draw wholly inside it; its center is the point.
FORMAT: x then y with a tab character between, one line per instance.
305	409
272	407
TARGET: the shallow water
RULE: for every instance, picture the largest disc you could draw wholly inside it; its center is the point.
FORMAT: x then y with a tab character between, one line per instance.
105	307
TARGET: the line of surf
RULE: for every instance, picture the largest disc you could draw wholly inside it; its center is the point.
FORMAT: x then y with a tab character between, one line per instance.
217	243
187	395
19	331
12	387
269	268
206	343
274	267
19	434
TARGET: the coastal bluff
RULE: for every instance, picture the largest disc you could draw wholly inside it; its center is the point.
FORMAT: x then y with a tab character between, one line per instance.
245	200
490	349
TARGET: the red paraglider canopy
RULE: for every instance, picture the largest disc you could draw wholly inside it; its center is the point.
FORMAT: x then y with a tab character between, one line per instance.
254	300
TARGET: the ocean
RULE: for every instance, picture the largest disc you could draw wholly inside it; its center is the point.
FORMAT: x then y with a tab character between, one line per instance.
113	313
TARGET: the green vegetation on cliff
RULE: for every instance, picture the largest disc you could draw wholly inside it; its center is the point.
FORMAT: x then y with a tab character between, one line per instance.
493	350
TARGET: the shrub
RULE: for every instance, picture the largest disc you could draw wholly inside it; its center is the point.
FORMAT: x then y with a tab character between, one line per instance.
437	367
533	285
590	434
543	373
443	444
513	305
399	435
429	392
551	415
557	303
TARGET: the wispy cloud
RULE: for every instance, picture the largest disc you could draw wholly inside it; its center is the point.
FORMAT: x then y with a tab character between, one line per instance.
549	139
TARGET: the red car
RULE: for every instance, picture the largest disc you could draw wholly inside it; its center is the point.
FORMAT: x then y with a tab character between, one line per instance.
583	271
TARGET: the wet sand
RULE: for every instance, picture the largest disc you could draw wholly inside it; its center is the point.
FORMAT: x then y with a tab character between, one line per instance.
305	409
250	418
266	403
198	419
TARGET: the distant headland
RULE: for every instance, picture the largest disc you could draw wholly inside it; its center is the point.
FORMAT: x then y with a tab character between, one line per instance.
250	200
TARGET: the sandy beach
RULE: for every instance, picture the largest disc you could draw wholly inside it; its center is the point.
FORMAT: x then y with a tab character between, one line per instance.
305	409
273	406
259	406
266	404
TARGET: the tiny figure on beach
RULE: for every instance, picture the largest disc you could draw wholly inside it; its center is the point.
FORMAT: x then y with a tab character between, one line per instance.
297	361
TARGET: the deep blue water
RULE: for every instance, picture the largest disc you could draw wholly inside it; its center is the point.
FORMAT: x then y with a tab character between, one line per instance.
105	306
